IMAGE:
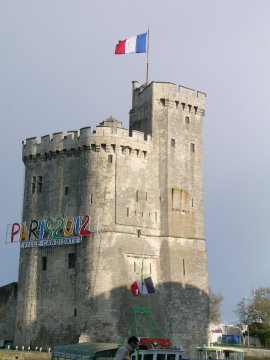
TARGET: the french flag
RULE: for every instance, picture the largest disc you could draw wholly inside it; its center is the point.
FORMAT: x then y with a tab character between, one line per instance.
142	287
135	44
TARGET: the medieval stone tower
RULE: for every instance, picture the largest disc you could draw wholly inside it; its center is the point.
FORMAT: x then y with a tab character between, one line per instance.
143	189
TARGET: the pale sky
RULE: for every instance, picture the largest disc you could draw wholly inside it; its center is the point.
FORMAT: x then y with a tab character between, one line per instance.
58	72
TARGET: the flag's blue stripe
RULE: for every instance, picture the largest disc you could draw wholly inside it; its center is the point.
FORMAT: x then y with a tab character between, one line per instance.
149	285
141	43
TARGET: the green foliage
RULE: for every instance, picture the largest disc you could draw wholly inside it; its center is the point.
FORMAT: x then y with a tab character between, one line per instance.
255	312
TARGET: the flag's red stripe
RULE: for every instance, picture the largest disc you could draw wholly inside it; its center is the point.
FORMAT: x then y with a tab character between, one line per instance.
134	289
120	47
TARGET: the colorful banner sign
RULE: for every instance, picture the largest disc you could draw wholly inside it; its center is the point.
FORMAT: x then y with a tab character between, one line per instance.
58	228
51	242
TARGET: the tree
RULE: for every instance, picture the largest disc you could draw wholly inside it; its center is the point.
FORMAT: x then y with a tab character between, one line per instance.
215	303
255	312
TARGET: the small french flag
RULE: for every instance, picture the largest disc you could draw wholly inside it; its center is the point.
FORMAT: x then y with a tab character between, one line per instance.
142	287
135	44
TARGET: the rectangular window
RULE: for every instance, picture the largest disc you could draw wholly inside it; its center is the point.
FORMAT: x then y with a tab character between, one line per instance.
187	120
184	268
151	356
33	188
134	266
177	195
44	263
110	157
71	260
146	196
192	147
161	356
39	187
66	190
192	202
75	312
91	199
127	211
33	185
139	233
173	142
137	195
150	268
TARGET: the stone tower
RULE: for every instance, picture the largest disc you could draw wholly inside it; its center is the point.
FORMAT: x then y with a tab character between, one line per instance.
143	189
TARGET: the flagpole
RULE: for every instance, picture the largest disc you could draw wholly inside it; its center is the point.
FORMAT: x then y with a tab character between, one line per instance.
147	56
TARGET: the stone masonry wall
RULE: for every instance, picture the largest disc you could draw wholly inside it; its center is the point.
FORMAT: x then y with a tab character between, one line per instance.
144	193
8	298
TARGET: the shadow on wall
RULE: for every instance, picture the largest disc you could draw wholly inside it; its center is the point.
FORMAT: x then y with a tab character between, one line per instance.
8	301
181	311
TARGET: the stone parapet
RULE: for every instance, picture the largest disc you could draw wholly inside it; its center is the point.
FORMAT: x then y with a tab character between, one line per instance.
103	138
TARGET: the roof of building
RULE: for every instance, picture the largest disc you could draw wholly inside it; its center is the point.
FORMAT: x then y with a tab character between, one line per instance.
84	351
110	121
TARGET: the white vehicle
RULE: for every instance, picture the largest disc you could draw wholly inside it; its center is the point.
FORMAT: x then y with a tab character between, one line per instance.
217	352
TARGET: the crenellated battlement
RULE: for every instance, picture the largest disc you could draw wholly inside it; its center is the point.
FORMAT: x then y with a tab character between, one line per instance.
108	136
170	92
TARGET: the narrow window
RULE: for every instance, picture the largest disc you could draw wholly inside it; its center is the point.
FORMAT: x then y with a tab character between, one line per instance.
184	268
189	108
142	213
91	199
127	211
192	202
137	195
146	196
75	312
39	188
44	263
71	260
187	120
183	106
33	185
173	142
196	109
156	215
110	159
176	104
150	268
134	266
192	147
135	212
66	190
149	215
139	233
33	188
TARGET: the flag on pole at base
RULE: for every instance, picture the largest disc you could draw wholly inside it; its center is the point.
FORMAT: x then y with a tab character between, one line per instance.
142	287
135	44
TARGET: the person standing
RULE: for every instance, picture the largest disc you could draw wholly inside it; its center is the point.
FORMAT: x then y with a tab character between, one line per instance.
124	352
